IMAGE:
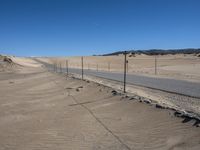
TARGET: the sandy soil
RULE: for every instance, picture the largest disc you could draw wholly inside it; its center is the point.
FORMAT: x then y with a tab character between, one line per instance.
6	65
26	62
186	67
41	110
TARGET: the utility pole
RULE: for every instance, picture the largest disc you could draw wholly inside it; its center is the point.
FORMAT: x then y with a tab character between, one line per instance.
155	65
125	62
82	66
67	70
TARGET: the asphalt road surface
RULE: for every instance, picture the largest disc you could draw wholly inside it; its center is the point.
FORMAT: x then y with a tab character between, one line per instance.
169	85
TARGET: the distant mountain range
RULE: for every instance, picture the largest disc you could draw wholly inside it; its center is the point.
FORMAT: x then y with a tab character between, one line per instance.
158	52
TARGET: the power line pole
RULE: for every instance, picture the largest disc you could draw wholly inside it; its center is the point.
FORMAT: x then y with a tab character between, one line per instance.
67	70
125	62
82	66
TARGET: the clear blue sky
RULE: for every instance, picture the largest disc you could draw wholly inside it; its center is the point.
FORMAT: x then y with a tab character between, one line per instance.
86	27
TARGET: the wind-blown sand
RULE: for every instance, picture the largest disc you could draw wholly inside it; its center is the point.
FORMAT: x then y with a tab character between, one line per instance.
179	66
43	110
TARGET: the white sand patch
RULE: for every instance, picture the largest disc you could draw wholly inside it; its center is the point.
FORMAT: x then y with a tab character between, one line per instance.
27	62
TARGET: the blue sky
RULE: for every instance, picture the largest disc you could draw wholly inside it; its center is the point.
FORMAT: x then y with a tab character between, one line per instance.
86	27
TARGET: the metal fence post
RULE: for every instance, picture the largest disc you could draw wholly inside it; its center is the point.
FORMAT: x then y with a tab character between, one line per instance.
67	67
56	67
60	68
108	66
155	65
125	62
127	66
82	66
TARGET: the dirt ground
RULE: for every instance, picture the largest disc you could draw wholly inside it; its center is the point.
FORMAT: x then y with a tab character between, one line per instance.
40	110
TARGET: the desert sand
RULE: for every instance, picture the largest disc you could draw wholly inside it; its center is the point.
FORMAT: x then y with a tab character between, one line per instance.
44	110
179	66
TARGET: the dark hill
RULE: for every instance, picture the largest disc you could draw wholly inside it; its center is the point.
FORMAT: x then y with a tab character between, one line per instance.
158	52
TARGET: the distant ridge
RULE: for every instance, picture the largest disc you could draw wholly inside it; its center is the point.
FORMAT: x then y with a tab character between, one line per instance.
158	51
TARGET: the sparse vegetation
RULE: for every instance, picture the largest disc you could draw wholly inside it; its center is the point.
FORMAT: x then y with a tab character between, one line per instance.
158	52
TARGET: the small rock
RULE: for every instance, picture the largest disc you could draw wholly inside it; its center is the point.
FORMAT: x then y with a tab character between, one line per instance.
197	123
68	88
114	92
147	101
80	87
77	90
126	96
159	106
186	119
177	114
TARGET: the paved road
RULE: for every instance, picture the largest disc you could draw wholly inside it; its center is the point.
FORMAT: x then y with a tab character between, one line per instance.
171	85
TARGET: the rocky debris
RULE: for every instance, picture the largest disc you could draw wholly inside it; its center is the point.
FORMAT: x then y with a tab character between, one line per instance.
124	97
186	115
114	92
141	99
197	123
8	60
132	98
177	114
80	87
68	88
146	100
187	118
159	106
11	82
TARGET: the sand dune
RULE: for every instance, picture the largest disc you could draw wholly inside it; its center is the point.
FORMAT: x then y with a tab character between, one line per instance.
26	62
43	110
